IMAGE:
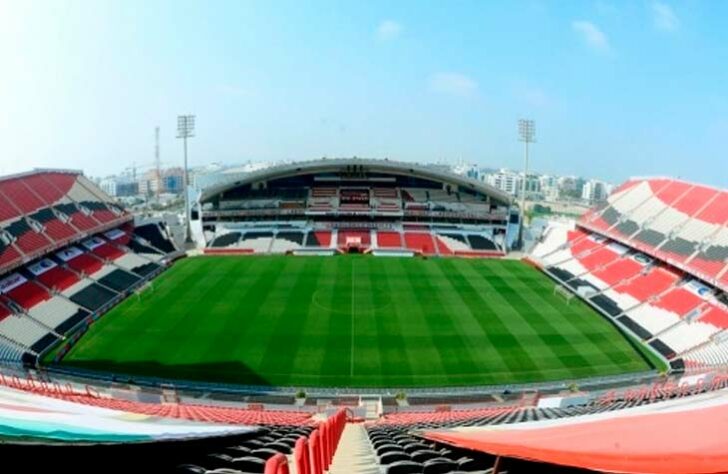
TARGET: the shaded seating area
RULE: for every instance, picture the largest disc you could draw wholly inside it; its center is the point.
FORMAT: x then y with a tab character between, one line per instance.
152	233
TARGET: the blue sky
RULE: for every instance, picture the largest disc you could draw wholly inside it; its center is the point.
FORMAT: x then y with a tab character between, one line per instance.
617	89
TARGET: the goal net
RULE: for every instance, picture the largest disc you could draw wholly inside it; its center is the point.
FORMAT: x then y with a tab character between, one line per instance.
564	292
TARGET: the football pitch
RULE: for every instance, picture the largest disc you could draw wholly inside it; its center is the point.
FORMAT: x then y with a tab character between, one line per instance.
354	321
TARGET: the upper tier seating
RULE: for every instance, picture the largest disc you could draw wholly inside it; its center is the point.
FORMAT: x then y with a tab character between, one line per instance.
27	239
53	227
45	210
680	222
8	254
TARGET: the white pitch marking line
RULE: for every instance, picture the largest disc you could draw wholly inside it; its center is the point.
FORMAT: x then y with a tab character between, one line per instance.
351	367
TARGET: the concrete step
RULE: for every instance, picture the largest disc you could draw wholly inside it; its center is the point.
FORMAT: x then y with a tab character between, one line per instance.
354	455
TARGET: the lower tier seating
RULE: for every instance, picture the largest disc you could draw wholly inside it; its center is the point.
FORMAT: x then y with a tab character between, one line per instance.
319	238
226	240
24	330
57	278
28	294
420	242
119	280
93	297
57	312
387	239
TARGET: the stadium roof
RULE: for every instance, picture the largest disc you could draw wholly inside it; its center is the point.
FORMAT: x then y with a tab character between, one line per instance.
326	165
682	441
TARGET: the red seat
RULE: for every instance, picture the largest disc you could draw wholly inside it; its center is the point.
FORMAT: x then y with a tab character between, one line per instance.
85	263
644	287
442	247
28	294
108	252
420	242
104	216
31	242
21	195
83	222
680	301
58	230
716	316
4	312
387	239
598	258
323	237
618	271
7	210
57	278
8	255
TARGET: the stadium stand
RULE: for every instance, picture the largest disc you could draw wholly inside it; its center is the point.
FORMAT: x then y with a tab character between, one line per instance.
156	237
675	313
678	222
45	210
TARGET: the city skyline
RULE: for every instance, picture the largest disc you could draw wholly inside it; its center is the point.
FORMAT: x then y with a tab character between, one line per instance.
617	89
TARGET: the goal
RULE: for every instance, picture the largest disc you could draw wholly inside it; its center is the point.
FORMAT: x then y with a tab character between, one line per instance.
565	292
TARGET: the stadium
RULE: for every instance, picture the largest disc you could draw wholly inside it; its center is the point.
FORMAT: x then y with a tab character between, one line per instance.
356	315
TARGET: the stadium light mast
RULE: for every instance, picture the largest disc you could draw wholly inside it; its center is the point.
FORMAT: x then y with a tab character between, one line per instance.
185	130
527	135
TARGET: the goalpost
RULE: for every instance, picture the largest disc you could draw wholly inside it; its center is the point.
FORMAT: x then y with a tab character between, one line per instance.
565	292
146	286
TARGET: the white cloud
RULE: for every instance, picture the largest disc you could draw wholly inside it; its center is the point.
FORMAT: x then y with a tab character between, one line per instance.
453	83
664	17
389	30
592	35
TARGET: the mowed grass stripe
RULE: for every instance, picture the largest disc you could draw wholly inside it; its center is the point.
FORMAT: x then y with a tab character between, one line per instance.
600	335
416	322
550	336
500	320
591	340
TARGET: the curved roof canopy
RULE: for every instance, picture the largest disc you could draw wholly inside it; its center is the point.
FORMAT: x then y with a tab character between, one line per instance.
343	165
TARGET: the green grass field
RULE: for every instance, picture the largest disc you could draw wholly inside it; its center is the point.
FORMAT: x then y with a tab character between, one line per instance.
354	321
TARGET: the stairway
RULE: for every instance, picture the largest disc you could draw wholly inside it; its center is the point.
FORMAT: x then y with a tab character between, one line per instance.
354	454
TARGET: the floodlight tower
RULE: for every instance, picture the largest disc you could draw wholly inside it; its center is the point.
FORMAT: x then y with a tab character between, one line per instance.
527	135
185	130
157	162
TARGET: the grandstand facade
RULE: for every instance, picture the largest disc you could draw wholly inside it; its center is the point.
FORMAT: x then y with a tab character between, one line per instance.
356	205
